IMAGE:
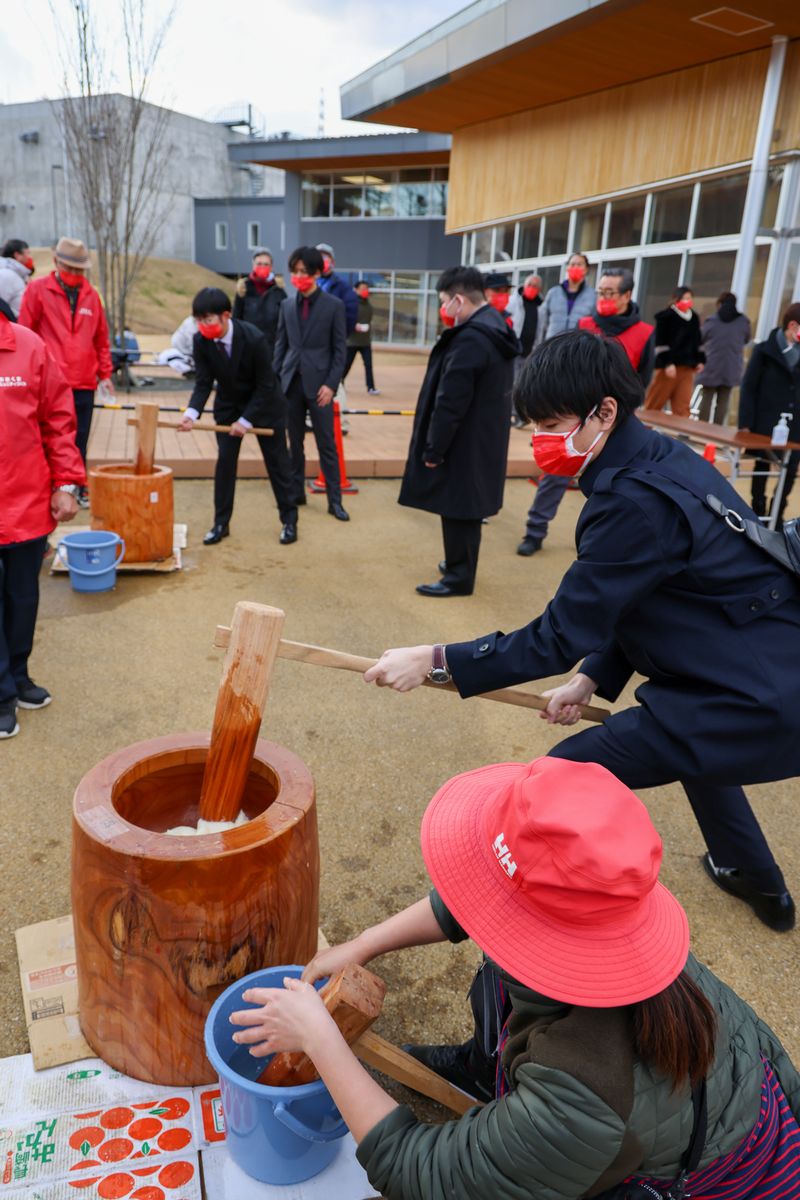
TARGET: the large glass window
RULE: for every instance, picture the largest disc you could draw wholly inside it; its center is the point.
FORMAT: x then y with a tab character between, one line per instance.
708	275
756	293
657	278
316	199
589	227
528	246
409	314
348	201
550	277
221	235
504	243
380	302
770	209
482	250
721	206
556	231
669	215
412	195
627	222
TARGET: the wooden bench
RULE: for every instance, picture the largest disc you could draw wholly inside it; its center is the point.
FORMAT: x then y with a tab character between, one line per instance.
732	445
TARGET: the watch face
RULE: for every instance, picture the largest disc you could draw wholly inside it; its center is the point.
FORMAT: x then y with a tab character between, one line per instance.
439	675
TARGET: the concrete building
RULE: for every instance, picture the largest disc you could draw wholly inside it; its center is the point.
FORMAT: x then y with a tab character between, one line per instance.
40	199
665	138
379	200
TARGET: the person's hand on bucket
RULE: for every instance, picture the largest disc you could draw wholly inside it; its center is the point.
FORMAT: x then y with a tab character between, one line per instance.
290	1018
335	958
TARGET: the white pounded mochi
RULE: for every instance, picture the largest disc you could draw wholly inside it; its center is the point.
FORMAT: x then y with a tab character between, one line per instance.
207	827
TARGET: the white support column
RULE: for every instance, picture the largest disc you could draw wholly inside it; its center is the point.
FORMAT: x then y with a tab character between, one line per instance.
757	183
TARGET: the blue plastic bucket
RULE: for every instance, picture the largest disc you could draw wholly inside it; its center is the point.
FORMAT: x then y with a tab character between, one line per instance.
278	1135
92	559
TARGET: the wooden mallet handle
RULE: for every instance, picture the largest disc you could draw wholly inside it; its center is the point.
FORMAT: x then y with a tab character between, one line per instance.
197	428
319	656
147	424
252	649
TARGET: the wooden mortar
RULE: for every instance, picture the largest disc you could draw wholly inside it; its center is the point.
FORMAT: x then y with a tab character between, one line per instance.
135	499
163	924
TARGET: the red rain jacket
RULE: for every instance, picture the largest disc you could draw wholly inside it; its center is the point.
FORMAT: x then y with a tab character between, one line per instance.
37	435
79	344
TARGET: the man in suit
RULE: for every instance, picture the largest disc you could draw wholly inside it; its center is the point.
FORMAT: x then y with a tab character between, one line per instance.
235	356
310	353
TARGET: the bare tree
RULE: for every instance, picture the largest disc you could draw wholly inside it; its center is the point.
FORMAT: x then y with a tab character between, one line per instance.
116	142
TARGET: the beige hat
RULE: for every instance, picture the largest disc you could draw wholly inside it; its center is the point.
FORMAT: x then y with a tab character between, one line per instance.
72	253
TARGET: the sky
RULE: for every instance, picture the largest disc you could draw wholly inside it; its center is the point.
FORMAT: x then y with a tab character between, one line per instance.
277	54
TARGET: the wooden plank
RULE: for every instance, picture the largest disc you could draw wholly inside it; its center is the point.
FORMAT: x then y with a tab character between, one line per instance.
383	1056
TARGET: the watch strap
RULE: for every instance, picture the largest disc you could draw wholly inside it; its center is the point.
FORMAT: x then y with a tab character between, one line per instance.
437	658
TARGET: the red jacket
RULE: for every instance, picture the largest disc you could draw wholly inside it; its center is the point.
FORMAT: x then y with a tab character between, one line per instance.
37	435
79	344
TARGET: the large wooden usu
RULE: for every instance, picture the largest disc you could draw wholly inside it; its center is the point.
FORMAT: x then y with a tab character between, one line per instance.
135	499
164	923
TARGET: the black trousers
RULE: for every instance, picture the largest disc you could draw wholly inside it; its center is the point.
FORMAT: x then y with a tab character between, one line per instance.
322	425
366	354
19	604
275	453
759	485
462	542
84	401
727	822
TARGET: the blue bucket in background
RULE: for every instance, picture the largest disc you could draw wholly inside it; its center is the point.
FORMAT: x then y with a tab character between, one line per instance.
278	1135
92	558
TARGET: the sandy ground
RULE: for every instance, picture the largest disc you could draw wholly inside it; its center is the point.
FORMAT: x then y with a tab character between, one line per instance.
138	662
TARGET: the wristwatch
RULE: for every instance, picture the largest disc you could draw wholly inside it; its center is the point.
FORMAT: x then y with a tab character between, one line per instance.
439	672
71	489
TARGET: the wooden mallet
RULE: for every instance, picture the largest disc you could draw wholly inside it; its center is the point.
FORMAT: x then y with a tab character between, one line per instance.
252	649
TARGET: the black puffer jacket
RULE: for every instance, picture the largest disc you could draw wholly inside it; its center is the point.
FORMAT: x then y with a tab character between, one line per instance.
678	339
259	308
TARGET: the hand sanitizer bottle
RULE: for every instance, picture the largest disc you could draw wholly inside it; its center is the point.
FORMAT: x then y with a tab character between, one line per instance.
780	432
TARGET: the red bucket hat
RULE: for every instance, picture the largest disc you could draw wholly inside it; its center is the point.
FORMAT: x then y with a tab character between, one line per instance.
551	867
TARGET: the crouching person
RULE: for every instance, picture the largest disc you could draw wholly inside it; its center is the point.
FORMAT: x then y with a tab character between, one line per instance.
618	1056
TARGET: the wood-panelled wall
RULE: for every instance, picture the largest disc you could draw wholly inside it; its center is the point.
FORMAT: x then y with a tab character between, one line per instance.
629	136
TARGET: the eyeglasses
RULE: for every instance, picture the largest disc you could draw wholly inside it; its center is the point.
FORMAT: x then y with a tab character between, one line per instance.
607	293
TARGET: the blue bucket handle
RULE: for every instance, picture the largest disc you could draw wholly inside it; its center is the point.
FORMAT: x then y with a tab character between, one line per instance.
282	1114
91	574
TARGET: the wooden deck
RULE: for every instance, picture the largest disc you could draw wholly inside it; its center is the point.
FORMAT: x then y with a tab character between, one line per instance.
374	447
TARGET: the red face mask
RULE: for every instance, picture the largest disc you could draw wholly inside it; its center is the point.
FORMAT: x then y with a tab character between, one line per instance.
446	320
210	331
498	300
576	274
262	272
683	305
606	306
363	293
327	263
70	278
530	293
28	262
303	283
556	454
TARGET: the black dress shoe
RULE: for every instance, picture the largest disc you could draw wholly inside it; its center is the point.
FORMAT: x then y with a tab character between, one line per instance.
288	534
215	534
337	511
453	1064
775	909
302	499
442	589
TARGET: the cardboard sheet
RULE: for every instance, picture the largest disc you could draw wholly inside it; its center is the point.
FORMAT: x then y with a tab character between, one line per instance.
49	979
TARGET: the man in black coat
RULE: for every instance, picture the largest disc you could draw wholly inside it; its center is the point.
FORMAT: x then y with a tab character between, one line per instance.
310	354
235	356
771	386
457	458
663	588
258	298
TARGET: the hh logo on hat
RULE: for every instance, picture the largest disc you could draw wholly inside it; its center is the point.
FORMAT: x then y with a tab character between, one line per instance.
504	855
